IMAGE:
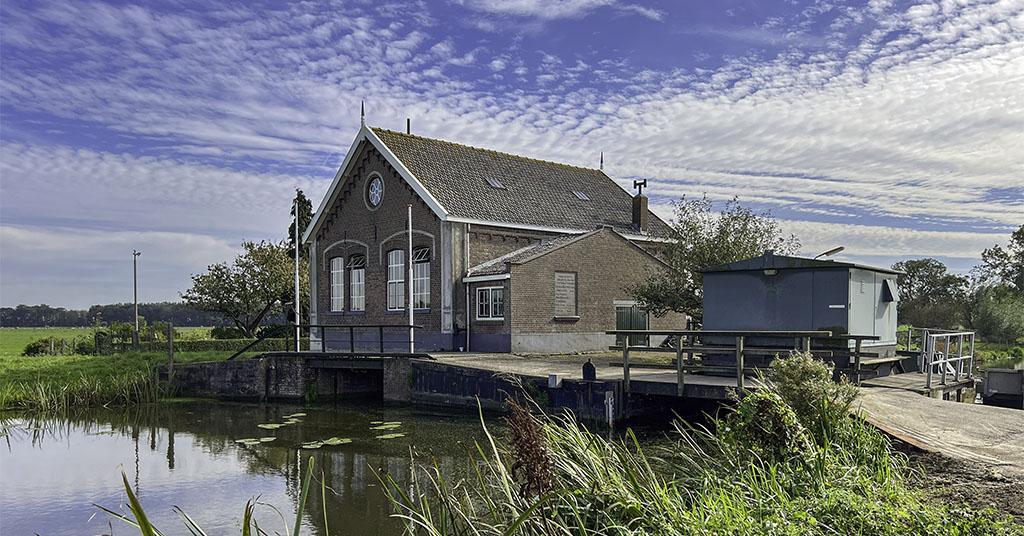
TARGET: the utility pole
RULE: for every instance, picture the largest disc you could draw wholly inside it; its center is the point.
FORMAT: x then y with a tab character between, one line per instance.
298	316
135	292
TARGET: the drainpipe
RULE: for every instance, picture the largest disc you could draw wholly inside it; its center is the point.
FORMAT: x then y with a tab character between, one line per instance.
465	254
412	343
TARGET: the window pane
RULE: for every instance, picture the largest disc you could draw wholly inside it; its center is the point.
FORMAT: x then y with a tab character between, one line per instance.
396	279
498	303
421	285
483	303
358	299
337	284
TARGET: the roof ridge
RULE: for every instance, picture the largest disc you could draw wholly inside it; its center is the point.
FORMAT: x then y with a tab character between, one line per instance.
486	150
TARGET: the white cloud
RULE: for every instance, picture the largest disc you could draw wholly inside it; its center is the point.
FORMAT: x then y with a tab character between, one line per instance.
919	120
77	268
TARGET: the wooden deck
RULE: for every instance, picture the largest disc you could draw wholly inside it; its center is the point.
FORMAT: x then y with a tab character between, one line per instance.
916	383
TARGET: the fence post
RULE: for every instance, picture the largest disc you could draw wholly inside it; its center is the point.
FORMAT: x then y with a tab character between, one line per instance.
807	344
739	362
680	372
170	350
625	365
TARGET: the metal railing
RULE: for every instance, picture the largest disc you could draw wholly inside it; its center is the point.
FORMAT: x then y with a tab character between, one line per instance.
943	354
372	337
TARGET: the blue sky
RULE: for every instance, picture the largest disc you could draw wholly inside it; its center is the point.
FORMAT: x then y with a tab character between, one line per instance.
180	129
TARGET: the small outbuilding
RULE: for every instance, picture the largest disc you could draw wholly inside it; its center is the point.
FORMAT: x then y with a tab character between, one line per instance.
782	293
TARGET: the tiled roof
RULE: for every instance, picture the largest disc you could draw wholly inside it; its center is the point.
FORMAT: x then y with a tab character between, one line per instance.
499	265
536	192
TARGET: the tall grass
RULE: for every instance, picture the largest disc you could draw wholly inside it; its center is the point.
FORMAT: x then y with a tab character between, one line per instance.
140	520
789	460
50	396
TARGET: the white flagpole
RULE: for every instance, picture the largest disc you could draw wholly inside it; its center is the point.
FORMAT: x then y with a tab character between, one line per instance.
412	344
298	317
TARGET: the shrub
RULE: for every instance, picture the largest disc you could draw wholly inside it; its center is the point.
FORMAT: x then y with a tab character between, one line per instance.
769	428
806	385
34	348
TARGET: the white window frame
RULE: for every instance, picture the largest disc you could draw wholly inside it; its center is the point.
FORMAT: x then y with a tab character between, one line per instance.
421	278
337	284
490	291
396	280
357	286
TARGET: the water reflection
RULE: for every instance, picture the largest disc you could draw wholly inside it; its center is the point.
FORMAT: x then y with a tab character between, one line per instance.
185	454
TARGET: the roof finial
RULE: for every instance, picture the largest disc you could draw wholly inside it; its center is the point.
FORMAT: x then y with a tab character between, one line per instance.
602	160
408	125
362	113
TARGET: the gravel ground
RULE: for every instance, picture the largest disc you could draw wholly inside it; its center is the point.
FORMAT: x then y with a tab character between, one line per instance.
973	483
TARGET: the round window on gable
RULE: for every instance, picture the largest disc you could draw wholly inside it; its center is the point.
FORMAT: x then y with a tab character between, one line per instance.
375	191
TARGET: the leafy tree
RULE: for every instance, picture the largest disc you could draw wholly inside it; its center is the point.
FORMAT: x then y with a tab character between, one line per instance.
997	313
931	295
305	216
254	285
703	238
1005	265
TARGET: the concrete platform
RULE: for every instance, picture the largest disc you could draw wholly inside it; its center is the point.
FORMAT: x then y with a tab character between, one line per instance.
990	435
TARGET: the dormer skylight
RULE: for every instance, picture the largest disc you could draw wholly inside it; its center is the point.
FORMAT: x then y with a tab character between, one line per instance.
495	183
580	195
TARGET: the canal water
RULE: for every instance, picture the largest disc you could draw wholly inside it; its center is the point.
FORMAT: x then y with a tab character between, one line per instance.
188	454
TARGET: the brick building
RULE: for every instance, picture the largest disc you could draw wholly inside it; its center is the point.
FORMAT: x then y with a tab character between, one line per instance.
508	253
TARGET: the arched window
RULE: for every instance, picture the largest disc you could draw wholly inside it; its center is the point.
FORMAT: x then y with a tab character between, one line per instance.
357	282
396	280
337	284
421	278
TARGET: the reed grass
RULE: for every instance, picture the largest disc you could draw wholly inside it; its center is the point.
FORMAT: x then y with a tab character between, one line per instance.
140	521
765	468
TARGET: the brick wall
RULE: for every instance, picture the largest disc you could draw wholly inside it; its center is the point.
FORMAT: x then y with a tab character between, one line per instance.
353	227
606	265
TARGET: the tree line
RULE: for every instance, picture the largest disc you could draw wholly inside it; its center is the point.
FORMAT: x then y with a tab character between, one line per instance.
989	300
180	314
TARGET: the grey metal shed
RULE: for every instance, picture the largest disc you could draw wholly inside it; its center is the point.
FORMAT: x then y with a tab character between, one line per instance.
776	292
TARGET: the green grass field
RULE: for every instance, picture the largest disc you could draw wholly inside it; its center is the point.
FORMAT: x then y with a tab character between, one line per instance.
63	381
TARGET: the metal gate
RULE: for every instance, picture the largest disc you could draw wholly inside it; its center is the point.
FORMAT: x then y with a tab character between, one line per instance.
631	317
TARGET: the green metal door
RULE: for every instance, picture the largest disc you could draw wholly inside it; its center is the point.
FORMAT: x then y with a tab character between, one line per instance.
631	317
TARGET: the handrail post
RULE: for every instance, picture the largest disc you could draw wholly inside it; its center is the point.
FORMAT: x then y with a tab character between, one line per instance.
856	357
739	362
625	365
927	357
680	372
970	370
807	344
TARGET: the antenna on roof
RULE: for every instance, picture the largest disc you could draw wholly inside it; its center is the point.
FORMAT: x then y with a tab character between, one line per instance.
830	252
362	113
408	125
602	161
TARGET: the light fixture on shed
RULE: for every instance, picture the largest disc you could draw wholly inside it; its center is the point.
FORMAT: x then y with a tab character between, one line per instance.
830	252
771	271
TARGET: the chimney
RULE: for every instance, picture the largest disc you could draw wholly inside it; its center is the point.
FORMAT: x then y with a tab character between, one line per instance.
640	214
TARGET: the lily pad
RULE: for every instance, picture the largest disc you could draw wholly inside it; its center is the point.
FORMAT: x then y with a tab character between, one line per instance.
290	421
270	426
293	415
376	422
249	441
313	445
391	436
267	439
385	427
336	441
